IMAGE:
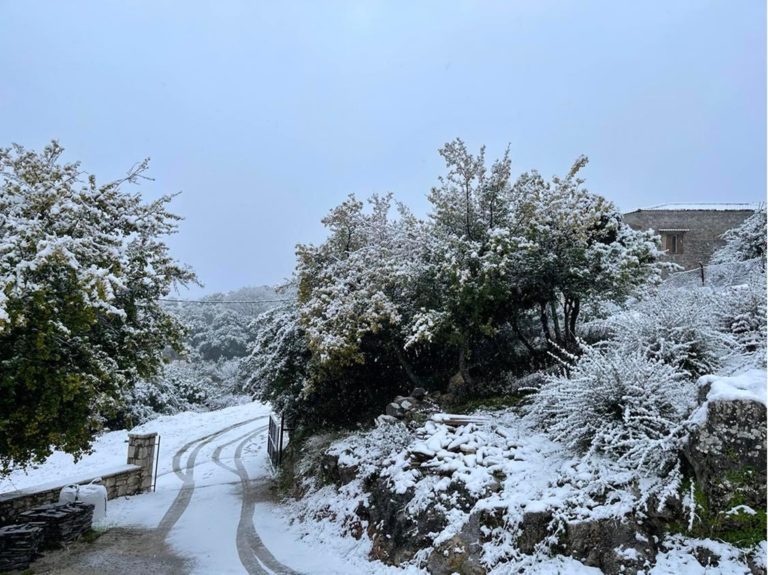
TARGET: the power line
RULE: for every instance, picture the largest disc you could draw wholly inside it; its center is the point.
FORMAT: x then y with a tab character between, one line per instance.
222	301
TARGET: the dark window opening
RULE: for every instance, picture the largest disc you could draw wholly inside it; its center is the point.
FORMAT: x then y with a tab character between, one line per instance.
673	243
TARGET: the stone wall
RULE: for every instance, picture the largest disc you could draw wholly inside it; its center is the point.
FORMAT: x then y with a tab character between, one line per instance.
125	480
704	230
141	452
130	479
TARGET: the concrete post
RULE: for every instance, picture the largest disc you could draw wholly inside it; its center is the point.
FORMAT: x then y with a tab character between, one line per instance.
141	452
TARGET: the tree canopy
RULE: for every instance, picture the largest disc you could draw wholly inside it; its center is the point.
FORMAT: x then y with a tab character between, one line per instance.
491	280
82	267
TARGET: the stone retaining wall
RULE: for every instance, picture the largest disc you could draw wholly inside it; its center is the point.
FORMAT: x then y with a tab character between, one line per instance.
130	479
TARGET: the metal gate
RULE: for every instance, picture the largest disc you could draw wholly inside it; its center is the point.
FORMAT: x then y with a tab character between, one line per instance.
277	439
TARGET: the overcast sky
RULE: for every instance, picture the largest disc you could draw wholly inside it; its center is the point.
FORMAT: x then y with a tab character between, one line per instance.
265	114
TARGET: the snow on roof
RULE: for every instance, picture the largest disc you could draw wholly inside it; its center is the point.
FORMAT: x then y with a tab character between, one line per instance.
706	206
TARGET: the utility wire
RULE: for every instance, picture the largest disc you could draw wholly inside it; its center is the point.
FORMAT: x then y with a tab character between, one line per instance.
222	301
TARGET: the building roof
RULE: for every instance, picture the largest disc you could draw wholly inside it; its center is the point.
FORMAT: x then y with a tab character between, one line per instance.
720	207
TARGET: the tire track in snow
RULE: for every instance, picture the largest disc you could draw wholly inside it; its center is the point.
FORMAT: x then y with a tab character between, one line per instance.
254	555
186	475
217	452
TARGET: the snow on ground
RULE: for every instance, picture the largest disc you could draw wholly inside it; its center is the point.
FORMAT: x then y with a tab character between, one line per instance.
110	449
506	465
499	460
300	545
678	558
747	386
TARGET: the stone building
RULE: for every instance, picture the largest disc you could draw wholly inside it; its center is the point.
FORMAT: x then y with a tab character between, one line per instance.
690	233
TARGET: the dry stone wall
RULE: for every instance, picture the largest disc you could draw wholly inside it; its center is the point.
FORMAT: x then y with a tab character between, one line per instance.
130	479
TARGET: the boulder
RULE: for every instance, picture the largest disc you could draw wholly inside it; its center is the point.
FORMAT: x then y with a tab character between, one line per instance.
727	453
385	420
394	410
419	393
331	471
461	553
612	545
398	535
534	528
395	535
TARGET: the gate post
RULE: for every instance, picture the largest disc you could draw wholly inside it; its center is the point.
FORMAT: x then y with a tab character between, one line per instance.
141	452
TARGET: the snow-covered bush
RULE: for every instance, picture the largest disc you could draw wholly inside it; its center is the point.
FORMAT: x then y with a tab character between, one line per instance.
276	370
192	385
620	403
677	327
741	312
744	242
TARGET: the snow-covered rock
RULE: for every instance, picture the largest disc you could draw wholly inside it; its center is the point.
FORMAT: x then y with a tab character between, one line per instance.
727	450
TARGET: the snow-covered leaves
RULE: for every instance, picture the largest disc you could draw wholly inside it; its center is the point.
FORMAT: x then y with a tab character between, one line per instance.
356	282
740	311
276	370
497	268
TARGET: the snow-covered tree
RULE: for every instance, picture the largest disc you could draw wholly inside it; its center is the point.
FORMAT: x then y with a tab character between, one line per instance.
361	281
276	371
388	302
577	250
744	242
82	267
542	249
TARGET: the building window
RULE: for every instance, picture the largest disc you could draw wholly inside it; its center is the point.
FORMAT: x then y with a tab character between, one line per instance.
673	243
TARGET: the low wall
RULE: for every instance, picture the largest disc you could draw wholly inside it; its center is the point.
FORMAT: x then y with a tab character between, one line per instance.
120	481
130	479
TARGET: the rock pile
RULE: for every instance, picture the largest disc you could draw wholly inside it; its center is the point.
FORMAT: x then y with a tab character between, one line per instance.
61	523
415	407
19	545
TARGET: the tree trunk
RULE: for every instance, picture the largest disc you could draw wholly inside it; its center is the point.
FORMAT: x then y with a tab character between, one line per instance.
556	322
463	370
412	377
567	306
545	322
521	337
574	316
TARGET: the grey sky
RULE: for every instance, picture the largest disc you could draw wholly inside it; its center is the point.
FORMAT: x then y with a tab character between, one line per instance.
265	114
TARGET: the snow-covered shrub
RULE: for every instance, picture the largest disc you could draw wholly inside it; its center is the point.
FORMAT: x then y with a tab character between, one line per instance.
744	242
741	312
677	327
276	370
193	385
177	389
620	403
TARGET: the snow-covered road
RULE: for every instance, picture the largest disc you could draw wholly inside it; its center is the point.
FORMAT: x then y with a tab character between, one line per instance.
208	500
212	509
